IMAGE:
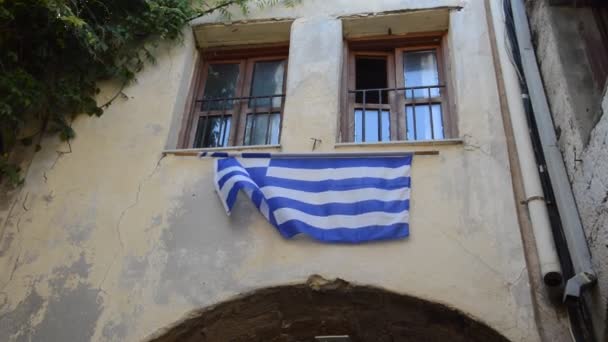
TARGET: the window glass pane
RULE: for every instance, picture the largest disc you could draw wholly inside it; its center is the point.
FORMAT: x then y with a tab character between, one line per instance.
373	124
421	129
212	131
420	69
262	129
220	83
267	80
437	122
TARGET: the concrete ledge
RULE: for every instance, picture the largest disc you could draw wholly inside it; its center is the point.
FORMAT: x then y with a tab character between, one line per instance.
405	143
196	151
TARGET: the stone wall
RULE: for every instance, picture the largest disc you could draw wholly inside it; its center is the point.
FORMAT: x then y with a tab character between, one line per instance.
578	109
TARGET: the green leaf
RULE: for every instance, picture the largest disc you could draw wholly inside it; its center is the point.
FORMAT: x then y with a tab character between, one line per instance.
73	20
55	52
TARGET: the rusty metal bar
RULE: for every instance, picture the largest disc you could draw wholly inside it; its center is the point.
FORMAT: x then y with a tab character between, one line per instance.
253	121
431	114
402	88
267	140
414	114
380	111
363	117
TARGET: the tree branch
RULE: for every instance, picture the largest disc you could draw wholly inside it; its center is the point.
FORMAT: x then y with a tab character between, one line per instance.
109	102
213	9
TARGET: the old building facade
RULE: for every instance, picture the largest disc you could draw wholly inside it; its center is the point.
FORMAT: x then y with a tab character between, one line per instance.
119	235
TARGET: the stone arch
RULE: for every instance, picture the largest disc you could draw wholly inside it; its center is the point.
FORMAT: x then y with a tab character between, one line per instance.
320	307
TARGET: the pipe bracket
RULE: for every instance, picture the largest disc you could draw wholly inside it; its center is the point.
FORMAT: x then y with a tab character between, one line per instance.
532	198
576	284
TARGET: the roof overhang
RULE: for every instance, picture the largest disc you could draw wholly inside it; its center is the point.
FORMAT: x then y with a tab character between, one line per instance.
397	22
243	33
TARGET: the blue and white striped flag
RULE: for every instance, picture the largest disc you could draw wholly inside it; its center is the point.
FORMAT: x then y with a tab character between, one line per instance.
330	199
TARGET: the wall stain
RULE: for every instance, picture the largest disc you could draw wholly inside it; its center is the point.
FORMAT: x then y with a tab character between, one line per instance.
71	313
79	232
15	324
114	331
6	243
134	271
118	330
155	129
202	254
79	222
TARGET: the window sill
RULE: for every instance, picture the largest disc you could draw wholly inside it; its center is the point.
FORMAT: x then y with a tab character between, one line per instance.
197	151
404	143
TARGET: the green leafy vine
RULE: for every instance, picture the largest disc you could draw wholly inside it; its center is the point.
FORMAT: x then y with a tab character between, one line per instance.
53	53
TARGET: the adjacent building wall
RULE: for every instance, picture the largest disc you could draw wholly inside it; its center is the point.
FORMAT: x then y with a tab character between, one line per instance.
578	110
110	241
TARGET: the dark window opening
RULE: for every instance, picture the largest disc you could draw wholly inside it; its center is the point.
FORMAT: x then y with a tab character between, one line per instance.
371	73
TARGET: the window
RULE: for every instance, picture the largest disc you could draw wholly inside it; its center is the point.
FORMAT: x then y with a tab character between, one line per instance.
396	90
239	101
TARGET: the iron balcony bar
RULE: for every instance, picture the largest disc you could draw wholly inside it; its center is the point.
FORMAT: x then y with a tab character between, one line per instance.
239	98
412	101
396	89
413	115
211	112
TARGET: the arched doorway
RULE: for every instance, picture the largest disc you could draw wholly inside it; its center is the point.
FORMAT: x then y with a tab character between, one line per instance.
305	311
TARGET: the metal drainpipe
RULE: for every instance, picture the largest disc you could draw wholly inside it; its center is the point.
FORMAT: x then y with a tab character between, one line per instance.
564	198
537	208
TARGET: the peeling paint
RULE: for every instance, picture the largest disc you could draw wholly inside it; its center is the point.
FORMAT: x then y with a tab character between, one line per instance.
15	324
71	315
198	263
119	328
134	270
114	331
6	243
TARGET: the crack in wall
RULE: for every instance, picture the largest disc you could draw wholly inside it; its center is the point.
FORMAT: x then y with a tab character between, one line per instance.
122	215
475	256
19	249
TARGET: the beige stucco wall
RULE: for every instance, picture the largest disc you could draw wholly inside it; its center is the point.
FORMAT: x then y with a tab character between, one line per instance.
112	242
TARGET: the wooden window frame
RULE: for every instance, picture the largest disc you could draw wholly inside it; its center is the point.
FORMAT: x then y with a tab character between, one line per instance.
245	111
246	57
403	101
392	48
353	105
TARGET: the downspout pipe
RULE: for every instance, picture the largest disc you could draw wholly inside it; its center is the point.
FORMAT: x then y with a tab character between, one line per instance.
533	191
564	197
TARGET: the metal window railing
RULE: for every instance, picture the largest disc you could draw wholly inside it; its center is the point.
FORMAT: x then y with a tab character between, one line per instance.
246	111
404	99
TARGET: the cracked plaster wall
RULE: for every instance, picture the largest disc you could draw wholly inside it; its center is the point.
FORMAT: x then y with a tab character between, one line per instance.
108	241
578	111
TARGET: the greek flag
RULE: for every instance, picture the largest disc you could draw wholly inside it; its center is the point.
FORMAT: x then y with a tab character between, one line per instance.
348	200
